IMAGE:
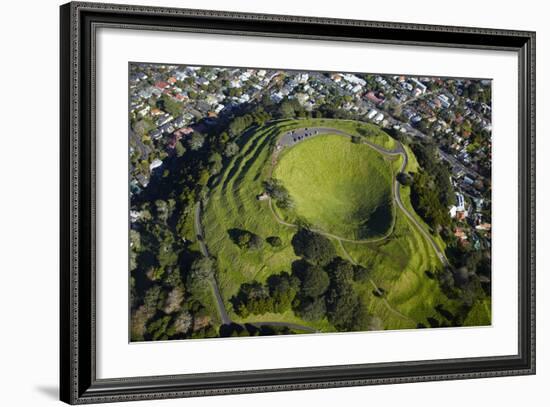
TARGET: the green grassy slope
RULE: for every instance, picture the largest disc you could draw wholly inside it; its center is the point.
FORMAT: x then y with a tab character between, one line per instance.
233	205
338	187
397	264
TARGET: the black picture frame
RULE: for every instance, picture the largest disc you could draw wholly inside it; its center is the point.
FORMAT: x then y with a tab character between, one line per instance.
78	382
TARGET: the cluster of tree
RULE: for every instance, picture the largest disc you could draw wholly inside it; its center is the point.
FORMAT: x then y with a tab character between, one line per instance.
245	239
289	108
332	110
344	308
258	117
469	265
237	330
313	247
166	273
327	284
276	295
431	190
404	179
278	193
466	280
476	92
461	285
321	285
159	241
169	105
168	308
160	309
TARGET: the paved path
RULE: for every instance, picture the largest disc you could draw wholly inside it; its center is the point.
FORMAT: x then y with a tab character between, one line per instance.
213	283
295	136
327	234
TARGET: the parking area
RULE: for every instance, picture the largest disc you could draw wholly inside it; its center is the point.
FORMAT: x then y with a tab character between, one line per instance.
295	136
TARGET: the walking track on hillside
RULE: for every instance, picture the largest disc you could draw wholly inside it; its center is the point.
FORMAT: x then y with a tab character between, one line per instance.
384	300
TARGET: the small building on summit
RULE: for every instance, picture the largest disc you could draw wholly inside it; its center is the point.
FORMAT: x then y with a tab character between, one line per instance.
262	197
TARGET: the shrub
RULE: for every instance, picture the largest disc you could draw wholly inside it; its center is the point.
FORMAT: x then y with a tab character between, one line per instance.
274	241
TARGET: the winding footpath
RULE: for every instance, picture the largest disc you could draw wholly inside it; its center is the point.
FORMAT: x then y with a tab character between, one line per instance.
371	281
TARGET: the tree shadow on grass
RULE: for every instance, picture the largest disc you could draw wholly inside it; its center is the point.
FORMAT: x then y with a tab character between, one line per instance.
378	222
444	313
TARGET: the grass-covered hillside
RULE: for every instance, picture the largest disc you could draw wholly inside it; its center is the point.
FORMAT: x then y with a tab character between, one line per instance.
339	187
336	186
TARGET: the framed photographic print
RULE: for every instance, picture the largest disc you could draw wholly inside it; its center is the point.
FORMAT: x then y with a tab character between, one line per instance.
241	193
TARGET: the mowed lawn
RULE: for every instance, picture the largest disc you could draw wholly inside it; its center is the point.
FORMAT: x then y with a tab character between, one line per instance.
338	187
398	264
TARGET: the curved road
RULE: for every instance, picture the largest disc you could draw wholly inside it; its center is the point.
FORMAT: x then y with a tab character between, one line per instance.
295	136
199	232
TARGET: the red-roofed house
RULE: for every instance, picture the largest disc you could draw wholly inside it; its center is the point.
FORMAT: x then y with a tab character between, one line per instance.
161	85
376	98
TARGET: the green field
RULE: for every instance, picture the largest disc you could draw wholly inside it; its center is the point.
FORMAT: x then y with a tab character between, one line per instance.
338	187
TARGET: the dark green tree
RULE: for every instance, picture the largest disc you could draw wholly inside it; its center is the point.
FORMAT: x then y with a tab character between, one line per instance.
342	302
201	272
315	281
361	274
215	163
312	309
313	247
231	149
196	141
180	149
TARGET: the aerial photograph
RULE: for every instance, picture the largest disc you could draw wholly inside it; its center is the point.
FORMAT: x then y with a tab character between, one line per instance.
268	201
